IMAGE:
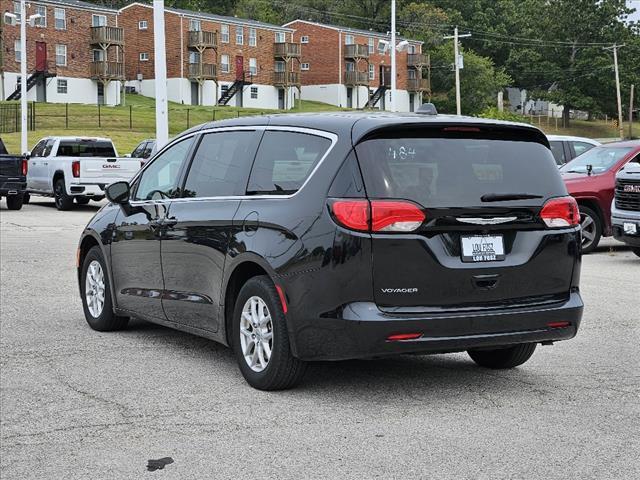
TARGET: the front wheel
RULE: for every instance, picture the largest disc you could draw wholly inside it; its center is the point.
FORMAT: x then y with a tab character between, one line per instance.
591	229
503	357
14	202
261	340
63	201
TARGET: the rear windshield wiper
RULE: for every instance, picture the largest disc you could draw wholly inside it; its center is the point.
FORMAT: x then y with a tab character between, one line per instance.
499	197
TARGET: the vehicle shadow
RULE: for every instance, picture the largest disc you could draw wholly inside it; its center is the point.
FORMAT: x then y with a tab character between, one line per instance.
49	203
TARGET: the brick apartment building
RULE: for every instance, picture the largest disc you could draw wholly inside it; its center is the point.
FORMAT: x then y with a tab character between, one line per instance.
352	68
213	59
74	53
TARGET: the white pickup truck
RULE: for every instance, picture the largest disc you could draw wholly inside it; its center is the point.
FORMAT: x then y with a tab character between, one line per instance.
79	168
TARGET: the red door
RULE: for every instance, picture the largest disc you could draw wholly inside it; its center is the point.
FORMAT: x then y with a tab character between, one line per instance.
385	75
239	67
41	57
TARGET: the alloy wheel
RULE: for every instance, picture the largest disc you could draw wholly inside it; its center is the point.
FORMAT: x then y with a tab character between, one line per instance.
57	194
94	289
256	334
589	230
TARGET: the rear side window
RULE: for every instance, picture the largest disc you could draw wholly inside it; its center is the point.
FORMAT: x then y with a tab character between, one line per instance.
221	164
284	162
85	148
557	148
455	172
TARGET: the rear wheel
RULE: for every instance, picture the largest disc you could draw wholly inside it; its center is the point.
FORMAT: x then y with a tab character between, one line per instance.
636	251
63	201
96	294
591	229
504	357
14	202
82	200
261	340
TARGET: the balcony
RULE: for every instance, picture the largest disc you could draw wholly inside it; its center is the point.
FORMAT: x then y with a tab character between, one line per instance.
203	71
417	84
286	50
107	35
416	60
107	71
356	51
201	40
285	79
356	78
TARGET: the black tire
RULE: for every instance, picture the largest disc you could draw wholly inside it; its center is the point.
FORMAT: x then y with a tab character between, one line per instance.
107	320
283	370
82	200
636	250
595	229
504	357
63	201
26	198
14	202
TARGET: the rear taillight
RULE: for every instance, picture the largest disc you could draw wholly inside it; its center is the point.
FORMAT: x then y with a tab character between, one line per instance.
561	212
25	167
75	168
377	215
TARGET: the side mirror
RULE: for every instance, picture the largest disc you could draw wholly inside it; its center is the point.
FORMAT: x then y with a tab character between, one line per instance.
119	192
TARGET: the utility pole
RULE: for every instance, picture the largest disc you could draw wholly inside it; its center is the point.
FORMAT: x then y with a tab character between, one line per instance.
456	64
393	55
162	114
615	48
631	113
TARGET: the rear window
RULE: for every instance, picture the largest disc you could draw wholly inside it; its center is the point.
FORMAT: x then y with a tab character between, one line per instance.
601	159
284	162
456	172
85	148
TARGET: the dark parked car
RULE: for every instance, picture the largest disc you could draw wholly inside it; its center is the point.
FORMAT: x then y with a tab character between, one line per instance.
591	179
13	178
625	211
336	236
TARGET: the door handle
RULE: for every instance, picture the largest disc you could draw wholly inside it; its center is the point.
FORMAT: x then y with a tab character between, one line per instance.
163	222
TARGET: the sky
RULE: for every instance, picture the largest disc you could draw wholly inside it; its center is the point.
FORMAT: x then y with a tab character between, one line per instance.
635	4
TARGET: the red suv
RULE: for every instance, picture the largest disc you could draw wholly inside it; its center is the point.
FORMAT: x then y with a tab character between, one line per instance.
591	180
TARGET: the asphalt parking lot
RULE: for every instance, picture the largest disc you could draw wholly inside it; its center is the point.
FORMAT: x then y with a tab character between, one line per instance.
81	404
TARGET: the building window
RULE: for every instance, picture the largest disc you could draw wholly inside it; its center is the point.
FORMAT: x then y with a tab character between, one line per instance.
349	40
16	11
61	55
239	35
224	63
278	66
144	57
98	55
350	66
62	86
304	66
372	45
304	39
60	18
280	37
42	20
143	25
253	66
372	72
224	33
194	57
98	20
17	47
253	38
411	49
254	92
382	47
195	25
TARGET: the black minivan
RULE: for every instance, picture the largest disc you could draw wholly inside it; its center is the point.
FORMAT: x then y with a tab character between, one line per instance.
335	236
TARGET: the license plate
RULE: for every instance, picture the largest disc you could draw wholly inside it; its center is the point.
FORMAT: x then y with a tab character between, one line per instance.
482	248
630	228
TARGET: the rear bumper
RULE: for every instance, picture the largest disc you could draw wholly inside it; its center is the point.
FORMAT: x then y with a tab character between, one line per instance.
12	186
618	219
86	189
362	330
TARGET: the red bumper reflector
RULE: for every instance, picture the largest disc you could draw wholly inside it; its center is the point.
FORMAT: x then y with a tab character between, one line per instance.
283	299
403	336
558	324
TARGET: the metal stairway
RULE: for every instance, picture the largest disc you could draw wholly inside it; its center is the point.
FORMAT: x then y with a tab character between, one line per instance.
231	91
377	95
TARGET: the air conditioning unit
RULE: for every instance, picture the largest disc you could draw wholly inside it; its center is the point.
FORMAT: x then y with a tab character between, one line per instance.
10	19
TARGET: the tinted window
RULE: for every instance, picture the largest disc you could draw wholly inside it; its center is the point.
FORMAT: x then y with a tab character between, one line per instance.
221	164
85	148
38	150
580	147
48	148
456	172
557	148
148	149
284	161
160	179
137	153
600	158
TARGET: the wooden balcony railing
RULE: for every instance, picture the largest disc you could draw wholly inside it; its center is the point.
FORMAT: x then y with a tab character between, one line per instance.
203	71
356	78
107	70
417	59
286	50
286	78
200	39
356	51
107	35
417	84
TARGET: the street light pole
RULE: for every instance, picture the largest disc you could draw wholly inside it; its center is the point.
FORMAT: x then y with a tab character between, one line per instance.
393	55
162	114
24	142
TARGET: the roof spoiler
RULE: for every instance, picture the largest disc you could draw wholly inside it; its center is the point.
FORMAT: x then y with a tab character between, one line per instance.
427	109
